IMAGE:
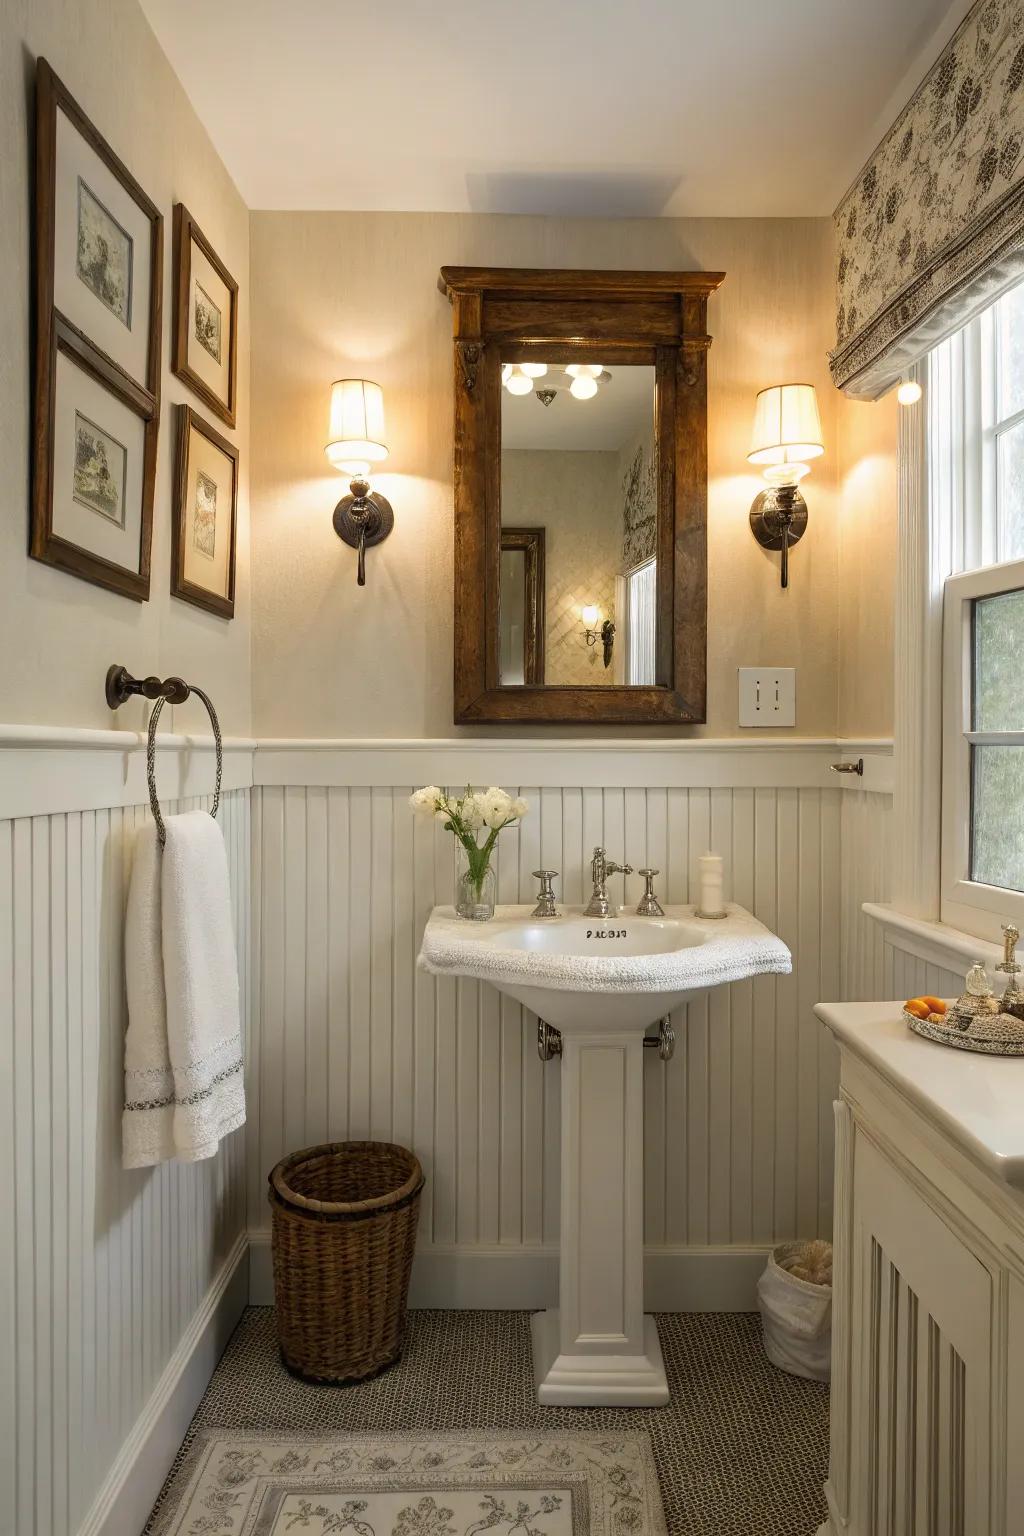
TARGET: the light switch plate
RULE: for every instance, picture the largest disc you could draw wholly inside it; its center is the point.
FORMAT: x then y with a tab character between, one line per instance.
767	696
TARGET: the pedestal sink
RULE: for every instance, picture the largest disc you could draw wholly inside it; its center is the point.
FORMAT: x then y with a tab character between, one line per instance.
601	982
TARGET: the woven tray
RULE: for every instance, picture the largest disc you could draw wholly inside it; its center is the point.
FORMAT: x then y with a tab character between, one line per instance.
1003	1034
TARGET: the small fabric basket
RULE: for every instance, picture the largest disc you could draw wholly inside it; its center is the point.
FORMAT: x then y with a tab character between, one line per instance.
344	1221
796	1317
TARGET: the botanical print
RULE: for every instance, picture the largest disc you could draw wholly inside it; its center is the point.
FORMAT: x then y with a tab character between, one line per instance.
940	195
639	512
207	323
100	468
204	516
104	255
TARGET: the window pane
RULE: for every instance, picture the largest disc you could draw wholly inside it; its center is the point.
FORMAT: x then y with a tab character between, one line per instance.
999	662
1011	493
997	842
1010	328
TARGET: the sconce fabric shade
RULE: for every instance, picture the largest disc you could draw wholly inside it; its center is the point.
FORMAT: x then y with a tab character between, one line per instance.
787	427
357	425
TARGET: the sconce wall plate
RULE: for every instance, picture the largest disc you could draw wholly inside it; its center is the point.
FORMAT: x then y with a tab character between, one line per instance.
766	520
363	520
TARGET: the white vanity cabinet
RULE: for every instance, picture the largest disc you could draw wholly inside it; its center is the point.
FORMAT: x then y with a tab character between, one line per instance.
927	1435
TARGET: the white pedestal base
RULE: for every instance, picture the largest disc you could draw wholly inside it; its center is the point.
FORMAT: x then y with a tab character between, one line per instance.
587	1381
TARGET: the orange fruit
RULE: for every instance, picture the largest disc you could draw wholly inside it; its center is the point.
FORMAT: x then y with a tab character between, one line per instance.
918	1007
935	1004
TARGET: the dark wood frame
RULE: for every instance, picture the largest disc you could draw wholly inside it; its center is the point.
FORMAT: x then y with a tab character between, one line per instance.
506	314
188	421
48	546
531	542
186	230
54	331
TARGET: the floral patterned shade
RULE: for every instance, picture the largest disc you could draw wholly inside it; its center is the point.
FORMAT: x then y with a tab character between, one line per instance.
934	224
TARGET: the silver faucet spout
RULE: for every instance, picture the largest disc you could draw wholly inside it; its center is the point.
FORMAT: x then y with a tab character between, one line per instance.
600	868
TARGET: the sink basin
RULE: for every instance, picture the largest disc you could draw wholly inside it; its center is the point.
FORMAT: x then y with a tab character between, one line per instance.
599	973
601	982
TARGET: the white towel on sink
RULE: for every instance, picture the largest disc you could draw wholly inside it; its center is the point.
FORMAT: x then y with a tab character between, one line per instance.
183	1051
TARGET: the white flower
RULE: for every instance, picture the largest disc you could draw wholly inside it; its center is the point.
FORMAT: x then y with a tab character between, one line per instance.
495	806
427	802
519	809
472	811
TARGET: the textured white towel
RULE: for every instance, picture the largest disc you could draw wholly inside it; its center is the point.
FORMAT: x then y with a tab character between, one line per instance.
183	1053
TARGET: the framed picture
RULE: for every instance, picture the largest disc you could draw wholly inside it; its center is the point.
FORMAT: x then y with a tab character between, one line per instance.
205	506
205	327
99	243
94	470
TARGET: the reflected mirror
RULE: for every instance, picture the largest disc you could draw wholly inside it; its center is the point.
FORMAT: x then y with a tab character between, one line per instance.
578	504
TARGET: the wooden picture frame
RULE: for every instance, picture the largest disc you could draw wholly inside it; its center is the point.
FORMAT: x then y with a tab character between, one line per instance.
54	105
531	542
98	303
508	315
219	596
48	544
192	345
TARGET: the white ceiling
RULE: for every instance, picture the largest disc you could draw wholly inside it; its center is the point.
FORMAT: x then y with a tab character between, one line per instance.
615	416
573	107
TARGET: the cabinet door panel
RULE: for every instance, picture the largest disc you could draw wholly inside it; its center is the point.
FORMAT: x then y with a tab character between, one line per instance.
923	1315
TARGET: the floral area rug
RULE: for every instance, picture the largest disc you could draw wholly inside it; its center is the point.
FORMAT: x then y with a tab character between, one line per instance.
245	1484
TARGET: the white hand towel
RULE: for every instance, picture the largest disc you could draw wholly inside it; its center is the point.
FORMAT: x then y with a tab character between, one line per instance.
183	1056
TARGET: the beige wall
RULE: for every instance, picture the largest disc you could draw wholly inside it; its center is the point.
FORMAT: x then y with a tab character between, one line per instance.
58	634
355	294
866	437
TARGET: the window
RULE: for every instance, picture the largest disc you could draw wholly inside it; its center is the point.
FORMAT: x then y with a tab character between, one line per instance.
976	488
641	598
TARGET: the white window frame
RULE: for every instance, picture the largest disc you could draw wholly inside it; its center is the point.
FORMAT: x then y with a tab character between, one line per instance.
963	489
968	904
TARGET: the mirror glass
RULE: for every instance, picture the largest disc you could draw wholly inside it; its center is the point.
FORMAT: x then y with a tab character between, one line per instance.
579	504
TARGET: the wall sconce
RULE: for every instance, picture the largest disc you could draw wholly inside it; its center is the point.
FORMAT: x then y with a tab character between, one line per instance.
787	432
364	517
606	634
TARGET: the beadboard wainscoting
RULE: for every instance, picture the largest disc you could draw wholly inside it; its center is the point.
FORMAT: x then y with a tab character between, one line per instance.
352	1040
123	1285
883	958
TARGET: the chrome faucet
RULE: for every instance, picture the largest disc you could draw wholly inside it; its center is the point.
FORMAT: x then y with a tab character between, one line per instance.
600	868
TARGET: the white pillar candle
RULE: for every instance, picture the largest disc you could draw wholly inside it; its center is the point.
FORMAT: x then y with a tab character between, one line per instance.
710	903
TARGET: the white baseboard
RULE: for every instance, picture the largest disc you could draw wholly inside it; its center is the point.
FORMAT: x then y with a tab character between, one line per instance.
124	1502
675	1279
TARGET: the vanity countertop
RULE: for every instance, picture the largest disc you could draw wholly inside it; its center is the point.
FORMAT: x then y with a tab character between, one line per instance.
978	1099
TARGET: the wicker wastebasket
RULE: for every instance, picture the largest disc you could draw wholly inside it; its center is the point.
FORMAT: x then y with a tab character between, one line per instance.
344	1228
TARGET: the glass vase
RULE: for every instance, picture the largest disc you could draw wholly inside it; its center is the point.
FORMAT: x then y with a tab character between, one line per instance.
474	893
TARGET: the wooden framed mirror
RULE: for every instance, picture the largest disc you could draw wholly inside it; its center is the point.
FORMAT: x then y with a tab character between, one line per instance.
580	433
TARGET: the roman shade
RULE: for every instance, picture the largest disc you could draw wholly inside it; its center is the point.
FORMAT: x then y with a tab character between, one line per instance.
932	230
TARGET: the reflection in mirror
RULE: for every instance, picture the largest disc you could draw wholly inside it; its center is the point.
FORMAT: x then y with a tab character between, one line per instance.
578	472
521	606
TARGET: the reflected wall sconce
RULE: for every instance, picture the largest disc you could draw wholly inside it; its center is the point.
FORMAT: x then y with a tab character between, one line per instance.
364	517
606	634
787	433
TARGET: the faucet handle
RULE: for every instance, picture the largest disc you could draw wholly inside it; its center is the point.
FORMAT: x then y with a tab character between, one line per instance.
546	897
649	905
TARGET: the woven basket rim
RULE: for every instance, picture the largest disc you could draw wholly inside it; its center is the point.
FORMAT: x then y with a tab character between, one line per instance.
278	1180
